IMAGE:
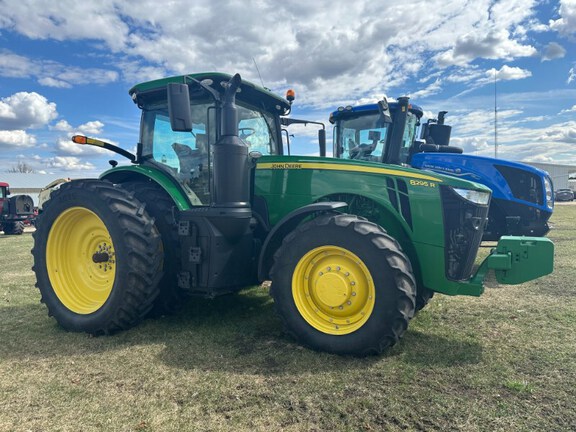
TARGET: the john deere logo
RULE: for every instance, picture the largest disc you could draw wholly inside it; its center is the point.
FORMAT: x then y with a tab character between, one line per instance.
286	166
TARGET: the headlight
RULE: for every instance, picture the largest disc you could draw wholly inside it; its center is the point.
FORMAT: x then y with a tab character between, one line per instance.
475	196
549	193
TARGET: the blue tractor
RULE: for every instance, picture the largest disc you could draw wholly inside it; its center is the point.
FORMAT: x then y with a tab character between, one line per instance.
522	195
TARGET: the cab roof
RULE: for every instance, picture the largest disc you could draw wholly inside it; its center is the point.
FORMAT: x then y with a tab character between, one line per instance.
351	110
249	92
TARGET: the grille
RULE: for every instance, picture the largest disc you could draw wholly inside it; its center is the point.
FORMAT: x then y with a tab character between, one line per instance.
523	184
464	224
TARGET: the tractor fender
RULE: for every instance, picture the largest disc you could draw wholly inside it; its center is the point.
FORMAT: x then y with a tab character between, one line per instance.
150	174
286	225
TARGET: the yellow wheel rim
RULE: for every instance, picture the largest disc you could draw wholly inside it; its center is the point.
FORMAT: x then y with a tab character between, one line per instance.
333	290
81	260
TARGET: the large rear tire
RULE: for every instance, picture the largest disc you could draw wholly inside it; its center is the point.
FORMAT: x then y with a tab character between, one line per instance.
423	297
13	228
97	257
343	285
159	205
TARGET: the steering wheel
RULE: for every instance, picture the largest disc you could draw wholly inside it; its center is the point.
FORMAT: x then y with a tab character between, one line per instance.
245	132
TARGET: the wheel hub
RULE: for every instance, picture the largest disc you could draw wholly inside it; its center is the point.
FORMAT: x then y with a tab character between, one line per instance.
100	257
332	289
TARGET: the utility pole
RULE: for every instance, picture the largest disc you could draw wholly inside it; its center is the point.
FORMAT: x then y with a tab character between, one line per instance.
495	118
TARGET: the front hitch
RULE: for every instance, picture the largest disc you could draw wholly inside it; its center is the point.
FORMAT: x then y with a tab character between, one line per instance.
516	260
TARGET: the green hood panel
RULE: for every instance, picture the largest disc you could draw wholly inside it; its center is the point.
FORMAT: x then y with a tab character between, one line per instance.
351	166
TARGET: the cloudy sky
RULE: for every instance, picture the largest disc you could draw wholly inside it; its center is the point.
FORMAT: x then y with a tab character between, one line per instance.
66	67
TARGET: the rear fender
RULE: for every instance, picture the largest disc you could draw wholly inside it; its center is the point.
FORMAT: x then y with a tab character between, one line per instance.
19	207
150	174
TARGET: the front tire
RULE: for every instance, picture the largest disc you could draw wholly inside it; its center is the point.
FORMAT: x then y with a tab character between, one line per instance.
343	285
97	257
13	228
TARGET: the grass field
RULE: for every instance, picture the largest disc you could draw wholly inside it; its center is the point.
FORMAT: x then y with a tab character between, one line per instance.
502	362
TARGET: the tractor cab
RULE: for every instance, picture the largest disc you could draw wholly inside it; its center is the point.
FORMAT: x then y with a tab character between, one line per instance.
186	155
356	130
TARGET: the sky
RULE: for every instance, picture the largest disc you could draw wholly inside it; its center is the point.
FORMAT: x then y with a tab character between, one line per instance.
66	67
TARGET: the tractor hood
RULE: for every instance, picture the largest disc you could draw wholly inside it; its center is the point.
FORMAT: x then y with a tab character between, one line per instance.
376	168
505	178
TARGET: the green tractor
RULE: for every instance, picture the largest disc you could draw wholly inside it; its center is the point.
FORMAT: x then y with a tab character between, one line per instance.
210	205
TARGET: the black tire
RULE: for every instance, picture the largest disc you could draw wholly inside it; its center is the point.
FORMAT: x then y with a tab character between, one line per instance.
347	249
423	297
97	257
13	228
159	205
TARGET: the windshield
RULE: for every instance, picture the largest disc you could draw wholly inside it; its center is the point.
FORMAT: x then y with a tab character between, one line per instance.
361	137
187	154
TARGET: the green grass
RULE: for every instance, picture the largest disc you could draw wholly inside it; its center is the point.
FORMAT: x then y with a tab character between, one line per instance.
501	362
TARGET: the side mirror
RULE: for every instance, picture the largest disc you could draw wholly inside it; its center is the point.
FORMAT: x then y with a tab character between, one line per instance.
8	191
179	107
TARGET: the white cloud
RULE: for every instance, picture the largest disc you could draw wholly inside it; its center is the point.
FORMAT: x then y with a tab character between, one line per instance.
352	48
67	163
16	139
52	74
569	110
566	24
15	66
91	128
53	82
25	110
507	73
60	20
332	53
553	51
85	76
571	75
434	88
496	44
63	126
471	145
564	133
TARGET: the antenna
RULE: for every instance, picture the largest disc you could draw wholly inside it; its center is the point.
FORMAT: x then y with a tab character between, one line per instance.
258	70
495	119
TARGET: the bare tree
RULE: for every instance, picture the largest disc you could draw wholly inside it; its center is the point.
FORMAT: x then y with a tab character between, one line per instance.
21	167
